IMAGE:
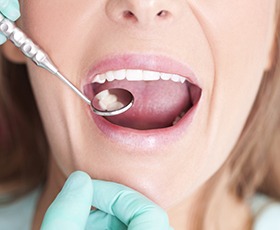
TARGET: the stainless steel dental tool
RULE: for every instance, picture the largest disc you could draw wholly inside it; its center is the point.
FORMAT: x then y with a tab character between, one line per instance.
109	102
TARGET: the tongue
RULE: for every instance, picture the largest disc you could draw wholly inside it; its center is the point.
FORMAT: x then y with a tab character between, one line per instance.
157	103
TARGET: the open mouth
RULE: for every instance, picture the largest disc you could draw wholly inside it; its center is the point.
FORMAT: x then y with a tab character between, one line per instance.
161	99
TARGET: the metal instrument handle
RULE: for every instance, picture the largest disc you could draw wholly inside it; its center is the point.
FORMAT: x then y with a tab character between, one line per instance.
34	52
27	47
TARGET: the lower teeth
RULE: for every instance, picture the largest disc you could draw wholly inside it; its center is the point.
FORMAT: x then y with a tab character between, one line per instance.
178	118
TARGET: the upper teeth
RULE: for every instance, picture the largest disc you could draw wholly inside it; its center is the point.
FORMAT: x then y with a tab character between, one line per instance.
136	75
108	102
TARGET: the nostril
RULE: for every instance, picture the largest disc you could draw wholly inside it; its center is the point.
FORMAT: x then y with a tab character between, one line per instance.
163	14
129	15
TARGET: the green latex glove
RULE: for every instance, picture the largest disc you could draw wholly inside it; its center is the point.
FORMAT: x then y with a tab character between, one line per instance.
10	9
118	207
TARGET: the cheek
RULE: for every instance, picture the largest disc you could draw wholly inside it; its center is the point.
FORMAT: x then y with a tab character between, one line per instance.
49	23
238	34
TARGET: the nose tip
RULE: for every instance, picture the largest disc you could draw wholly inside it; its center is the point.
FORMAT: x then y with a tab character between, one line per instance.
141	12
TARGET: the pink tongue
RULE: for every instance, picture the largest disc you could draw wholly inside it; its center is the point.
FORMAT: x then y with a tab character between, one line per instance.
157	103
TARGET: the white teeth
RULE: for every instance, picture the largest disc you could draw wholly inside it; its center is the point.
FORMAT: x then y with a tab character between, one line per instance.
108	102
178	118
114	106
136	75
165	76
110	76
151	75
120	74
182	80
100	78
102	94
175	78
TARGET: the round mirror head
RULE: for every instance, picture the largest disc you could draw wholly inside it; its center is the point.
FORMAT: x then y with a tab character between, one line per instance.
111	102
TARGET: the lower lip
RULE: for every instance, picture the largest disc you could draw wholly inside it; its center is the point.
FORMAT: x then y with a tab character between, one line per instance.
144	139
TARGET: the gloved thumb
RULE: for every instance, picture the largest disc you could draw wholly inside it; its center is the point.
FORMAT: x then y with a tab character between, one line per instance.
71	208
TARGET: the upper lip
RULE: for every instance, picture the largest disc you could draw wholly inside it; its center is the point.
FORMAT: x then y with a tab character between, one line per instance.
144	62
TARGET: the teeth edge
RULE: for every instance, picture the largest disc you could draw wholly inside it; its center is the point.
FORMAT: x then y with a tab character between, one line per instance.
136	75
178	118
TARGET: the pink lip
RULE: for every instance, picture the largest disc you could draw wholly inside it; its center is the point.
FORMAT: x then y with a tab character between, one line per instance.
143	139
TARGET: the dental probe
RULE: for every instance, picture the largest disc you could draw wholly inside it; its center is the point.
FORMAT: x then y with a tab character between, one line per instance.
122	99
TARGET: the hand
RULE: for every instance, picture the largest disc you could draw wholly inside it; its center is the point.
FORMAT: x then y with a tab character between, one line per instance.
10	9
117	207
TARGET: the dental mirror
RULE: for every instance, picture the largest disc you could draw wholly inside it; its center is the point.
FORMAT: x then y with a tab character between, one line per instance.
109	102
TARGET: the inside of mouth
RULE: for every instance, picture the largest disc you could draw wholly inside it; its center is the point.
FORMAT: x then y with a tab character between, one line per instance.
158	104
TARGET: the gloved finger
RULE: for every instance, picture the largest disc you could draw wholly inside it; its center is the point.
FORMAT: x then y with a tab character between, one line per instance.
10	9
101	220
132	208
3	39
71	207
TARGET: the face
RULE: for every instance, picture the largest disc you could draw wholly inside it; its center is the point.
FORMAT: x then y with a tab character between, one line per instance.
218	48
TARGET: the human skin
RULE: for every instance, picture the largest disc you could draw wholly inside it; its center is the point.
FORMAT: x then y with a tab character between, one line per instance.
226	44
